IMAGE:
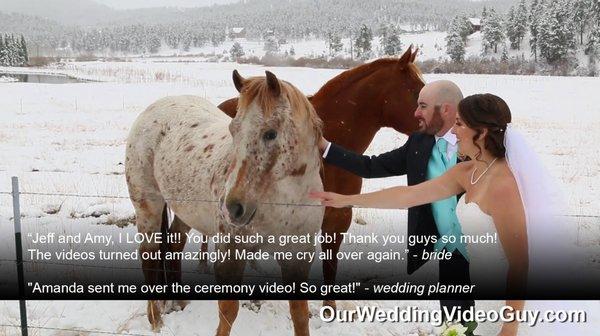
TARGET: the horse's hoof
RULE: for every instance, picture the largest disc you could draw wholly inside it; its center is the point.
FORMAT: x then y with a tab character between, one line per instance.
329	303
253	305
154	315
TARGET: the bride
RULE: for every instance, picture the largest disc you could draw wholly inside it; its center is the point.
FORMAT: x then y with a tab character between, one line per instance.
506	181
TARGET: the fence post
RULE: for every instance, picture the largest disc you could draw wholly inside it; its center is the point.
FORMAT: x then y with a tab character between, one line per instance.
19	250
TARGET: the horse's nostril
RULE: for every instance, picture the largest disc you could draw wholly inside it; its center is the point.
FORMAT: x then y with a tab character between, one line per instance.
236	210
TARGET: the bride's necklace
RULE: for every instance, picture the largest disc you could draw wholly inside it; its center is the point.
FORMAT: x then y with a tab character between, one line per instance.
485	171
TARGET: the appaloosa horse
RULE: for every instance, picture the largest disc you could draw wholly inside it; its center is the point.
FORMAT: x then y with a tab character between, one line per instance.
220	175
354	106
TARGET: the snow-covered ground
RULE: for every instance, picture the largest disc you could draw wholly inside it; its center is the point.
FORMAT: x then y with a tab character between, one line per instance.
69	138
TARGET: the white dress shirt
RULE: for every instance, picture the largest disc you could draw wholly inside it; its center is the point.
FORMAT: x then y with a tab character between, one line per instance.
451	140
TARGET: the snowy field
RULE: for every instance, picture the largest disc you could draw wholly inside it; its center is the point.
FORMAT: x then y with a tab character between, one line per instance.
70	138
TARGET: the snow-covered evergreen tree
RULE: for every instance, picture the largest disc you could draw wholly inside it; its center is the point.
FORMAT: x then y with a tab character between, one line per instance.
390	40
13	51
511	28
217	38
24	52
334	42
236	51
493	34
363	43
455	46
581	17
521	20
3	52
592	48
557	32
462	26
535	13
271	45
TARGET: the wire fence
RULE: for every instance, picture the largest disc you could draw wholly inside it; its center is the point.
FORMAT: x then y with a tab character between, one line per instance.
204	200
79	330
20	262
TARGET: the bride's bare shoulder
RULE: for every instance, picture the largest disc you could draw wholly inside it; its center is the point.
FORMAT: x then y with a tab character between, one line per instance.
503	186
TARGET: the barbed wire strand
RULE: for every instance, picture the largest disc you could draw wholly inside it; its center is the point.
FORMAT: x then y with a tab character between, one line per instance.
199	272
77	330
201	200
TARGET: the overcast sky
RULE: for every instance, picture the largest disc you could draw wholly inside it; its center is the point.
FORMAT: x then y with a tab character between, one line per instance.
128	4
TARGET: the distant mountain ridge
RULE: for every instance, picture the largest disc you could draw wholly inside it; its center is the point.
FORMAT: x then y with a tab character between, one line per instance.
67	12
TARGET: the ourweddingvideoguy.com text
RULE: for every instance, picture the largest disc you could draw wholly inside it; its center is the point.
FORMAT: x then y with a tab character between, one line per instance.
437	316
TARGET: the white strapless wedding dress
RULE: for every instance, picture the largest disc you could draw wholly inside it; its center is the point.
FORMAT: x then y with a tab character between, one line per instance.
488	268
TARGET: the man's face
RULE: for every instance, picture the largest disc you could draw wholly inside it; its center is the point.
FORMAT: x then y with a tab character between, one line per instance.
428	113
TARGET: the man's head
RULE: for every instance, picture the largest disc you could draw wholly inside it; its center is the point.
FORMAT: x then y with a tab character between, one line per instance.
437	107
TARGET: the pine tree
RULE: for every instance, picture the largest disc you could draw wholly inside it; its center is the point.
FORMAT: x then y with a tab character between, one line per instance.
271	44
236	51
292	51
492	31
462	26
24	48
535	12
521	22
483	22
511	29
504	57
3	52
390	41
592	48
556	32
363	43
455	46
334	42
217	38
580	17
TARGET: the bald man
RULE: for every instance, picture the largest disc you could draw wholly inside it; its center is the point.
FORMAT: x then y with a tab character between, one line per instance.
426	155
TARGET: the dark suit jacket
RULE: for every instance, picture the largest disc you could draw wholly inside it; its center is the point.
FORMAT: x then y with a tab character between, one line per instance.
410	159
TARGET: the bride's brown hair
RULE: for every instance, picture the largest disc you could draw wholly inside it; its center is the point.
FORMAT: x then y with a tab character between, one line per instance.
486	111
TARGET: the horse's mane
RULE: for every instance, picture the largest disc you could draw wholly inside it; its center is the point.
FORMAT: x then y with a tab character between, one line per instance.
353	75
256	88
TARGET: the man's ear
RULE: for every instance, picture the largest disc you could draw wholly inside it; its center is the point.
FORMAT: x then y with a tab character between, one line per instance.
445	109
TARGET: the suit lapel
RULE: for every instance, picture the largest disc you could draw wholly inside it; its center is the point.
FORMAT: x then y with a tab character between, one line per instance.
426	148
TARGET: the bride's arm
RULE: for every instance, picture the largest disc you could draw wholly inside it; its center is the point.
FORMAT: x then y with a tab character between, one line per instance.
400	197
509	218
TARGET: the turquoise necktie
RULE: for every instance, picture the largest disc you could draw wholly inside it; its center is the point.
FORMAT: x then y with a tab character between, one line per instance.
444	211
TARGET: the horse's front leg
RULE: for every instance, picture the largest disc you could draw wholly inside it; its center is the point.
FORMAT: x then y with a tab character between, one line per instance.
149	217
173	266
335	222
296	271
228	272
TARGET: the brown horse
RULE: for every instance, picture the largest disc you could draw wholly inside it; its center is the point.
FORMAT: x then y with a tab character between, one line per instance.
354	106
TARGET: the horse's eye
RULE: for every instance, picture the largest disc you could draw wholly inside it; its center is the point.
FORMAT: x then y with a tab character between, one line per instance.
270	135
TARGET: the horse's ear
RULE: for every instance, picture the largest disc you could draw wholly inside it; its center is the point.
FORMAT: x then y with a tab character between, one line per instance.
273	83
414	56
405	58
238	80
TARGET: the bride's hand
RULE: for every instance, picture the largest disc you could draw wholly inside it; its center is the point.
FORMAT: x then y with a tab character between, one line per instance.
331	199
